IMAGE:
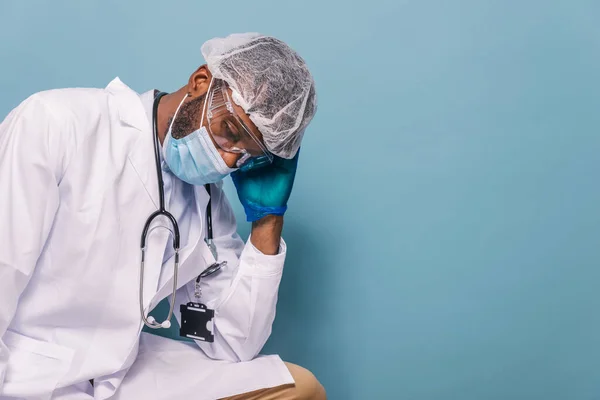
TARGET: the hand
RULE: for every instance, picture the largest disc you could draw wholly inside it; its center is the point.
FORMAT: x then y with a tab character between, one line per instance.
265	191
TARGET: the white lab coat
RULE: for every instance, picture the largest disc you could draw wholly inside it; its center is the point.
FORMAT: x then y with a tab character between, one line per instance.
77	183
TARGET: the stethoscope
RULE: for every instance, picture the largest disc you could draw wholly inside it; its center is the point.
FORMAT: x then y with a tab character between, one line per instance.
150	321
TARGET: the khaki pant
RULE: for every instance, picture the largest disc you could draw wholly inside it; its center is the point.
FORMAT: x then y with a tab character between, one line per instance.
307	387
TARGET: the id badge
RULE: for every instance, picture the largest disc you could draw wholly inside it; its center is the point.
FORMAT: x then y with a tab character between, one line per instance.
197	322
196	318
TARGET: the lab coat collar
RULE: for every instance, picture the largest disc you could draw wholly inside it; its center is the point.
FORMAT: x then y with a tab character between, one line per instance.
130	108
132	114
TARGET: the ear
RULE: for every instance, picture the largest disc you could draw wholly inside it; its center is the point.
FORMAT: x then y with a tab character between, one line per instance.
199	81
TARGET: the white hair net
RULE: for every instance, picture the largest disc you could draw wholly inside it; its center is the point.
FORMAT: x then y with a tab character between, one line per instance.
270	82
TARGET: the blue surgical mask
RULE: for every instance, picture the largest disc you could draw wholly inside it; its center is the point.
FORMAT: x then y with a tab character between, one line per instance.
194	158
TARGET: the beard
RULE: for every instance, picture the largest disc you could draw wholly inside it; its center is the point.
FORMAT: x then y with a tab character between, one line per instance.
188	118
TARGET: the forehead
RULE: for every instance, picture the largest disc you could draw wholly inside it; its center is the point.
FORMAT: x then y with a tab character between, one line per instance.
239	111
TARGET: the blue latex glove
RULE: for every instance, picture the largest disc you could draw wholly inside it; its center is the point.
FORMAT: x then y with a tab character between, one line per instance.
265	191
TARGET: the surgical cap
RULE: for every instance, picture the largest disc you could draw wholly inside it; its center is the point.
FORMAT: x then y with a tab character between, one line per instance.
270	82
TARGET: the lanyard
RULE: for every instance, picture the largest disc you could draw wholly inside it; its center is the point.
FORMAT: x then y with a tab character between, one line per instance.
209	240
209	232
213	249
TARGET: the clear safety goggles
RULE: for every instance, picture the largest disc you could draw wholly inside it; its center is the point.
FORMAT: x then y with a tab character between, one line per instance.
230	133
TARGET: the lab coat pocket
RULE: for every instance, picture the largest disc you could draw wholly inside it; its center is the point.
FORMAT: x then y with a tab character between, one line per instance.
34	367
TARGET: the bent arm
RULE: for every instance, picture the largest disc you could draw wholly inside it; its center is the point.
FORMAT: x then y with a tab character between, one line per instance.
244	294
29	200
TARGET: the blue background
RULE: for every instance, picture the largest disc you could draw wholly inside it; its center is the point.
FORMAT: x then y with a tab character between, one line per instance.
444	229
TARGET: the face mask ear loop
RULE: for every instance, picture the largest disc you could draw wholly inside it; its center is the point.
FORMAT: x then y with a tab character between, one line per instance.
206	99
177	111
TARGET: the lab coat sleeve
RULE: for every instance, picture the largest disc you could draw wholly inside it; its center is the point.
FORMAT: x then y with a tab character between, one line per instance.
243	294
30	169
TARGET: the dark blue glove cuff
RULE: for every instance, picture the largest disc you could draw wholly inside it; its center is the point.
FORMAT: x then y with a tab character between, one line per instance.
254	212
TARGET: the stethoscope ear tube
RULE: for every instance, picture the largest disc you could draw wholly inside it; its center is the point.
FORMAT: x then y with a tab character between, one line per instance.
150	322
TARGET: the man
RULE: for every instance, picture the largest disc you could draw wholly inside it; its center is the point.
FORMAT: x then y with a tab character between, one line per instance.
81	172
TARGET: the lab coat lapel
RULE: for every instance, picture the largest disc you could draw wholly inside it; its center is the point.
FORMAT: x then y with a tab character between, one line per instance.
132	115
